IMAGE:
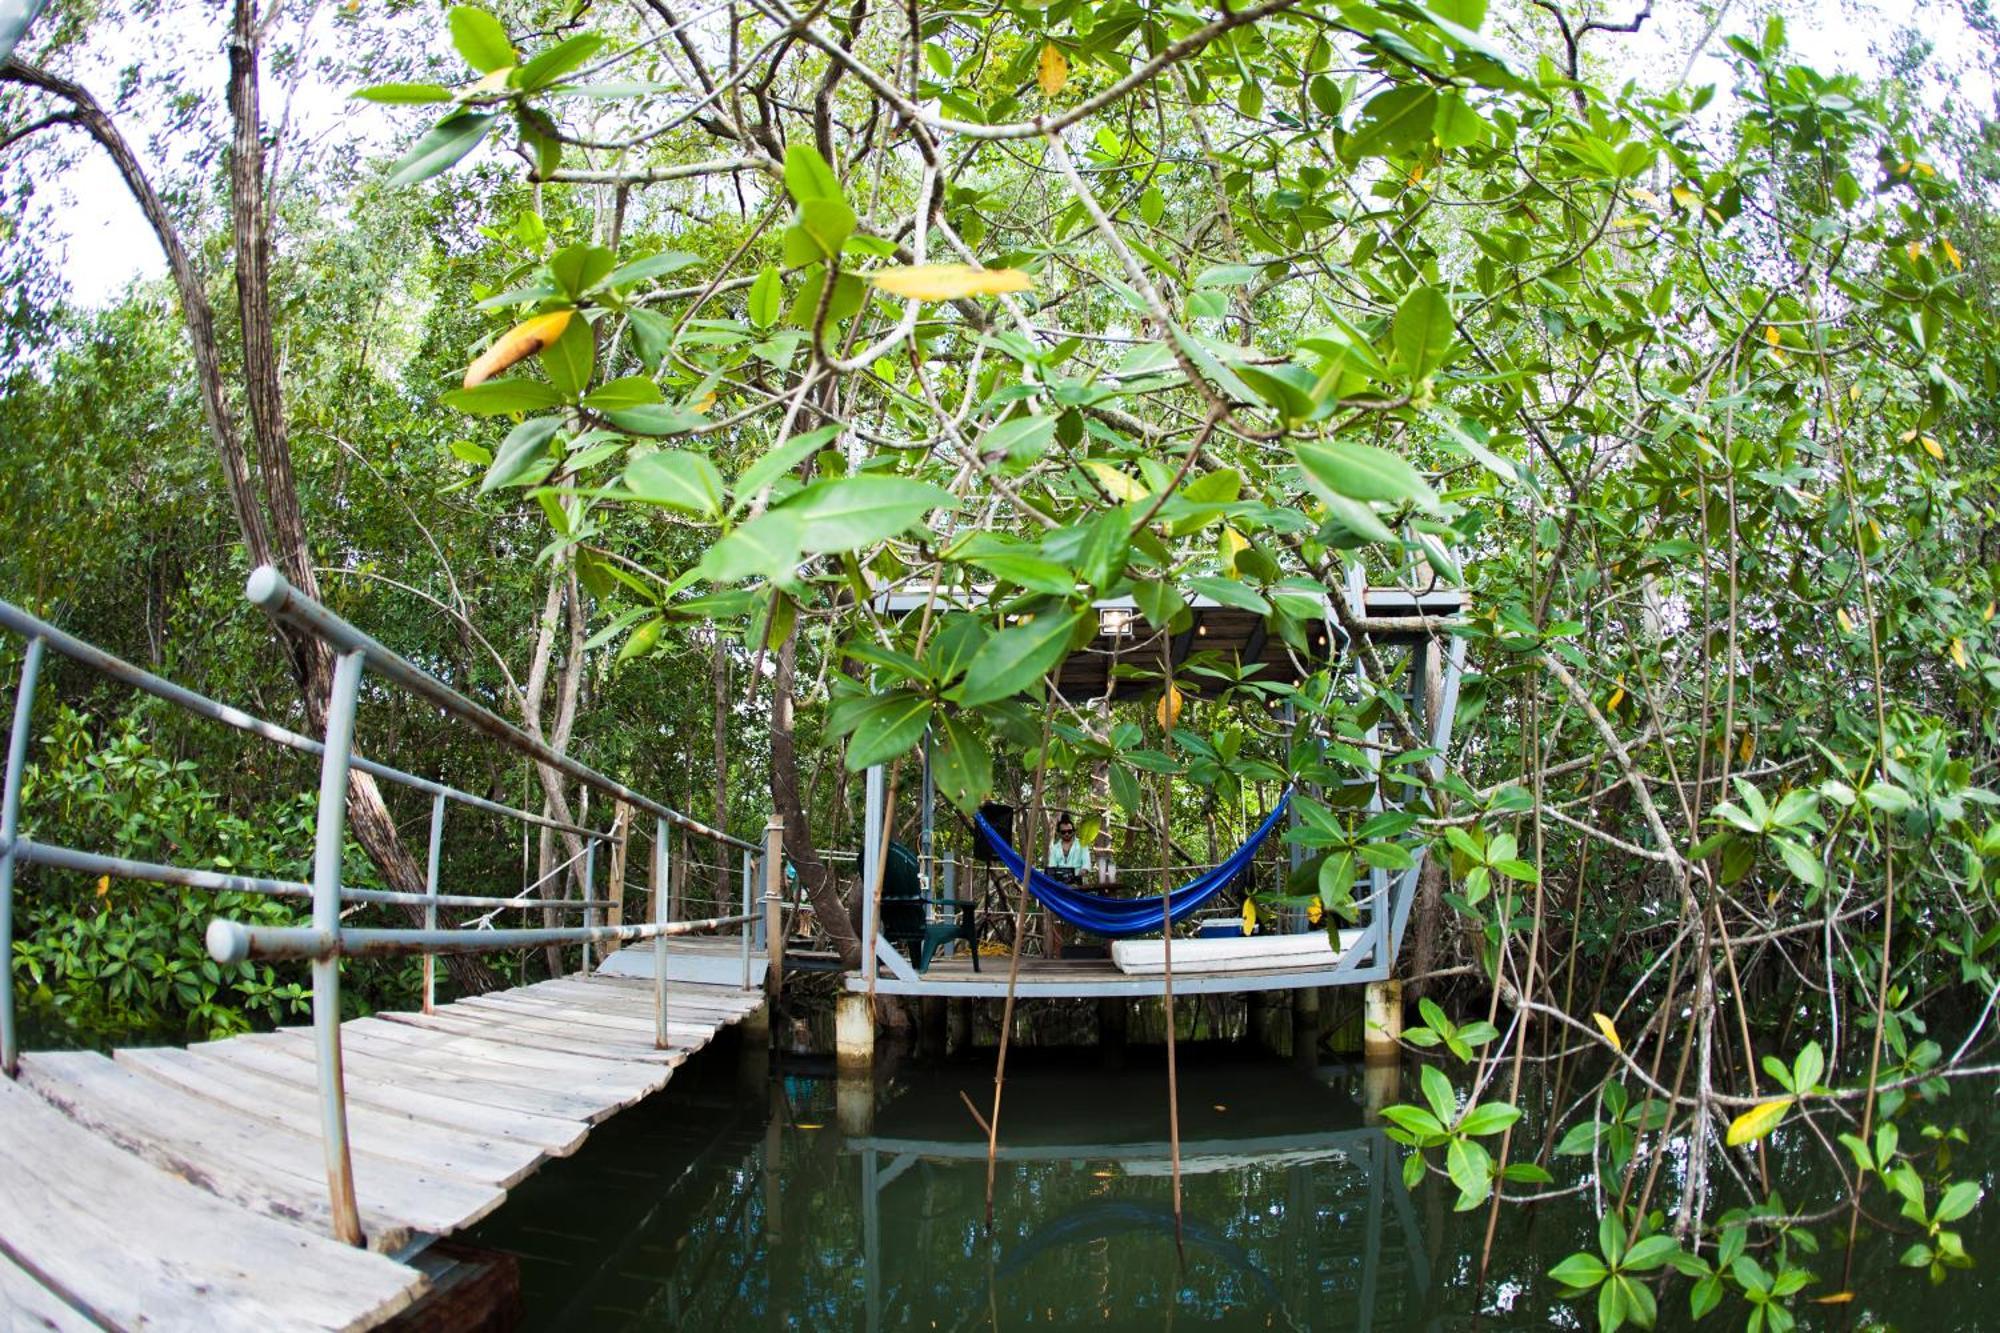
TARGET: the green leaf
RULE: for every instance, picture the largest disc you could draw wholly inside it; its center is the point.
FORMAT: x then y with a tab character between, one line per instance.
1488	1118
963	764
480	39
1437	1091
1030	572
1363	472
1016	658
650	266
570	359
1581	1271
848	513
677	479
884	726
523	455
545	68
1471	1169
656	419
441	149
1958	1200
1395	121
580	267
626	391
829	222
780	461
1019	439
1422	331
643	639
1649	1253
652	336
767	295
768	546
807	176
404	94
499	397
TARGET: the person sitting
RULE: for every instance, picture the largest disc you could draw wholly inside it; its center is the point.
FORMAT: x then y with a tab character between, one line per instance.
1069	859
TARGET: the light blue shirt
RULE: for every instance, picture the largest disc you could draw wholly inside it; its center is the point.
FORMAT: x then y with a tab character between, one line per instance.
1072	855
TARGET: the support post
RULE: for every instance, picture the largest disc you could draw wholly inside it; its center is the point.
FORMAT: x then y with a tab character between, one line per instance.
10	827
327	847
1305	1026
431	892
1382	1020
589	893
873	798
746	930
661	914
854	1032
774	907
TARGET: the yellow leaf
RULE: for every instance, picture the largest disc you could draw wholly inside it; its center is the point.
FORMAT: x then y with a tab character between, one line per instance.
1116	484
1876	529
1617	697
1951	253
1645	195
1747	748
524	339
1314	912
1168	710
1927	168
1758	1121
1249	917
1854	393
1915	250
1686	198
1631	220
703	404
1989	612
1609	1029
949	282
1846	621
1906	437
103	885
1772	336
1958	654
1933	448
1230	545
1837	1298
493	84
1052	70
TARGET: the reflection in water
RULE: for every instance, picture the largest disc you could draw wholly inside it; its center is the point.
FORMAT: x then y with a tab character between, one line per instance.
704	1210
713	1208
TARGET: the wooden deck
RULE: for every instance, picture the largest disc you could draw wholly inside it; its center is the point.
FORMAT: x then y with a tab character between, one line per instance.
1071	978
170	1188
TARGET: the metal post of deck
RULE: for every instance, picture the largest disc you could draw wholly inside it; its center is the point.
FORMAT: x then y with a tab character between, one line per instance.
10	827
661	868
774	907
589	888
431	891
746	930
330	837
874	796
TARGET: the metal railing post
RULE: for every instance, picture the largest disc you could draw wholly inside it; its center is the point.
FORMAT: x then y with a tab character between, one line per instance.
431	892
661	868
327	846
774	906
10	828
589	882
744	931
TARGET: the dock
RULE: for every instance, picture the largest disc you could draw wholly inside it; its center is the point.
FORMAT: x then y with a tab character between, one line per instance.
162	1187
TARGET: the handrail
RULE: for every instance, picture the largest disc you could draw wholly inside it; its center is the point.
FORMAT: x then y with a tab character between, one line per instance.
30	626
269	590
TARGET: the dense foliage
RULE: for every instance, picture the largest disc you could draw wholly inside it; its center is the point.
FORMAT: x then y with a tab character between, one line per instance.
1019	309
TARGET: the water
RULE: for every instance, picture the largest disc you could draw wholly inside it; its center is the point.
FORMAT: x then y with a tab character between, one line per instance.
728	1204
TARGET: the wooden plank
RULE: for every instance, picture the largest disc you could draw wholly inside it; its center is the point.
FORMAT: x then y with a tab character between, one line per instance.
135	1248
473	1085
688	1032
633	1079
557	1135
499	1161
481	1080
252	1163
728	1005
538	1036
26	1304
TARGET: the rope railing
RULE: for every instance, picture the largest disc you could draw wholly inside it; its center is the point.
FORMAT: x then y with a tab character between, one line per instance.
328	939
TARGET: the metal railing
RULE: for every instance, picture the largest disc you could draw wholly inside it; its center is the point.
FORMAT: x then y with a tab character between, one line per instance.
326	941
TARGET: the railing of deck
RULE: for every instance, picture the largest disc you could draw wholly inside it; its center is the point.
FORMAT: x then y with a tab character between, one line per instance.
327	940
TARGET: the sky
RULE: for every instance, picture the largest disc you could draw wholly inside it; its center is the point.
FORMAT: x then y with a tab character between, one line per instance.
107	244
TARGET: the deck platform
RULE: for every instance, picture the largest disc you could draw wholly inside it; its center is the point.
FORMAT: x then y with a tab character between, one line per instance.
162	1187
1074	978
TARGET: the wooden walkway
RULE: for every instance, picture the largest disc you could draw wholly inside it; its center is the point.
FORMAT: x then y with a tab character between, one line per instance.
169	1188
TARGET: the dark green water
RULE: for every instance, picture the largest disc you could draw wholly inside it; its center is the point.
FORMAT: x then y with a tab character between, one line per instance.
728	1204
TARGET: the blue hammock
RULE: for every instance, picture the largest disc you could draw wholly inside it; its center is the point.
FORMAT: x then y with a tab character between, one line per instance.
1101	915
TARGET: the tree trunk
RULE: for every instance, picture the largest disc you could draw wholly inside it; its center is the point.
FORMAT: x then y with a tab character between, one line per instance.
820	888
